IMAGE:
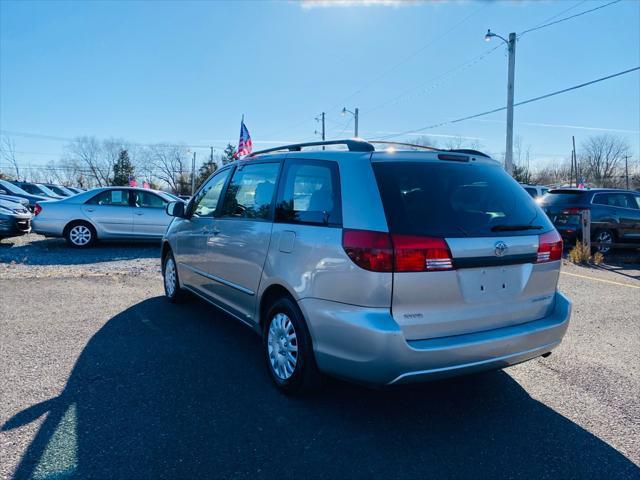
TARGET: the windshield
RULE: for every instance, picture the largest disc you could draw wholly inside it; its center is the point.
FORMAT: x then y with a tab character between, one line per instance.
47	190
449	199
10	187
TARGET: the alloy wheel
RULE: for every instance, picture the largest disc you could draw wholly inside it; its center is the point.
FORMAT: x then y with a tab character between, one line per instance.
80	235
170	277
282	343
604	237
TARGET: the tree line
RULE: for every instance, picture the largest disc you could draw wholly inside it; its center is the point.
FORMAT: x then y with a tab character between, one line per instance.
88	162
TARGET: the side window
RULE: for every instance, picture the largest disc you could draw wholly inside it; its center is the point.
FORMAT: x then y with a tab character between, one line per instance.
532	191
119	198
310	193
148	200
636	198
206	200
250	192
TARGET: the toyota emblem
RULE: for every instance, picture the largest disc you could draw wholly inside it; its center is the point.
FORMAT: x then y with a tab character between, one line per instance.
501	249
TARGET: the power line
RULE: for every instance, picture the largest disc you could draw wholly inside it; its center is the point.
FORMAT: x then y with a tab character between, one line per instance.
469	117
568	18
430	84
14	133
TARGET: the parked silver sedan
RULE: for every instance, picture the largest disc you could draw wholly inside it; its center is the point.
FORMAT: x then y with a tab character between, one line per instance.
110	213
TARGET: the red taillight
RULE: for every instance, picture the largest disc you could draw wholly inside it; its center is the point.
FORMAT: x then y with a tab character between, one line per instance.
571	211
419	254
550	247
381	252
369	250
37	209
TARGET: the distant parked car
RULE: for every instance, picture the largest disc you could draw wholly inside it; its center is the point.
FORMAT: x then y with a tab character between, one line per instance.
76	189
615	214
8	188
110	213
536	191
15	219
59	189
11	198
37	189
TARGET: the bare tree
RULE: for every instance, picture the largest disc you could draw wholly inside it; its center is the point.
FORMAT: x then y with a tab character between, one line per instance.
601	158
556	173
457	143
8	153
170	163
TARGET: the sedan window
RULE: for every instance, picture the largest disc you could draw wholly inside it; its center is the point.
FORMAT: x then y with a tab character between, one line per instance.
118	198
149	200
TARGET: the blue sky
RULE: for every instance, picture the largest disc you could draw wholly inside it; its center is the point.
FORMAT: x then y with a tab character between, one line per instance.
186	71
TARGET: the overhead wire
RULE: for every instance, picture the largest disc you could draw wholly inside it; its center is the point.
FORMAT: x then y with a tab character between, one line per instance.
541	97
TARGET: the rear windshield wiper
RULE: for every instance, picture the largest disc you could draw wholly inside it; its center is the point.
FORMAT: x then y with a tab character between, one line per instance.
510	228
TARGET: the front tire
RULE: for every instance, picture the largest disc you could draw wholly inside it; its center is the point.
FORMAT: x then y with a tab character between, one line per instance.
81	235
288	349
172	289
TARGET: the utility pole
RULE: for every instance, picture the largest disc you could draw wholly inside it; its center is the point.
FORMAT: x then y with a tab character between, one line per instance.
211	154
511	46
355	116
626	169
321	119
575	159
356	121
510	86
193	174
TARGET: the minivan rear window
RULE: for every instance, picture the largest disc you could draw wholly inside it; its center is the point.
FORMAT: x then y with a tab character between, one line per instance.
456	200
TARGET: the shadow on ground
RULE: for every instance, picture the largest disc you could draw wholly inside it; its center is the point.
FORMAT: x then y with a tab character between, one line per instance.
55	251
166	391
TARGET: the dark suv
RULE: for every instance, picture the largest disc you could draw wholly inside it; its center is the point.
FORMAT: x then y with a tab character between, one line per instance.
615	214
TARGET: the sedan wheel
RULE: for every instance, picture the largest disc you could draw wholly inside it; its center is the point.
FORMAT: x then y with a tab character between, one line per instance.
81	235
283	346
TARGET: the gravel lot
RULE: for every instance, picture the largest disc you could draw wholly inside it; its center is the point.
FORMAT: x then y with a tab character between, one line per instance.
102	378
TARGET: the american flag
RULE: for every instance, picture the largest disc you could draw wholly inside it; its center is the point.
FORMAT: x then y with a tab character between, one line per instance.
245	147
132	181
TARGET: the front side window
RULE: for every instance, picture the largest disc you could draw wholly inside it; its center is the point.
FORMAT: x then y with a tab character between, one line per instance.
118	198
206	200
149	200
251	190
310	193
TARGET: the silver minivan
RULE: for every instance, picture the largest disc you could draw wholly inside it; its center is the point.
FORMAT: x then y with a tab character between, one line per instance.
379	267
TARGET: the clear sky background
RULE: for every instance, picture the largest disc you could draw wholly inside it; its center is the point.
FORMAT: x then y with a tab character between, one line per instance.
186	71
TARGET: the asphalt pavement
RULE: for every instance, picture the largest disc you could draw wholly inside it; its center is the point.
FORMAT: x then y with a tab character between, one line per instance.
101	377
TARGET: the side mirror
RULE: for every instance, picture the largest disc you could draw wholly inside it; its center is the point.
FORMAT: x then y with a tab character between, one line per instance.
176	209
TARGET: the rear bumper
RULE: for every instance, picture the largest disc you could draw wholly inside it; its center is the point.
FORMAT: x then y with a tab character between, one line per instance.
366	345
50	228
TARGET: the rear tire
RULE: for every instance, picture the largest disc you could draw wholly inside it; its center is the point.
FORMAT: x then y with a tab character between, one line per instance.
603	236
80	235
288	349
171	282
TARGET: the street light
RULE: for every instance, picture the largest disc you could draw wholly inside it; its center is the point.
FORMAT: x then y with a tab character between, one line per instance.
511	46
355	116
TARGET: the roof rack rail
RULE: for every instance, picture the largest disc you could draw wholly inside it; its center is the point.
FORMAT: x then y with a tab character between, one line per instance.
402	144
353	144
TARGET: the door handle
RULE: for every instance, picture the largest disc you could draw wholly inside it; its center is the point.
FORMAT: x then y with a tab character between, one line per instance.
139	213
90	209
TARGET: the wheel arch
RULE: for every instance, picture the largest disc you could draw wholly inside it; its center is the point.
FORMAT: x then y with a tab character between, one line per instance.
69	224
270	295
